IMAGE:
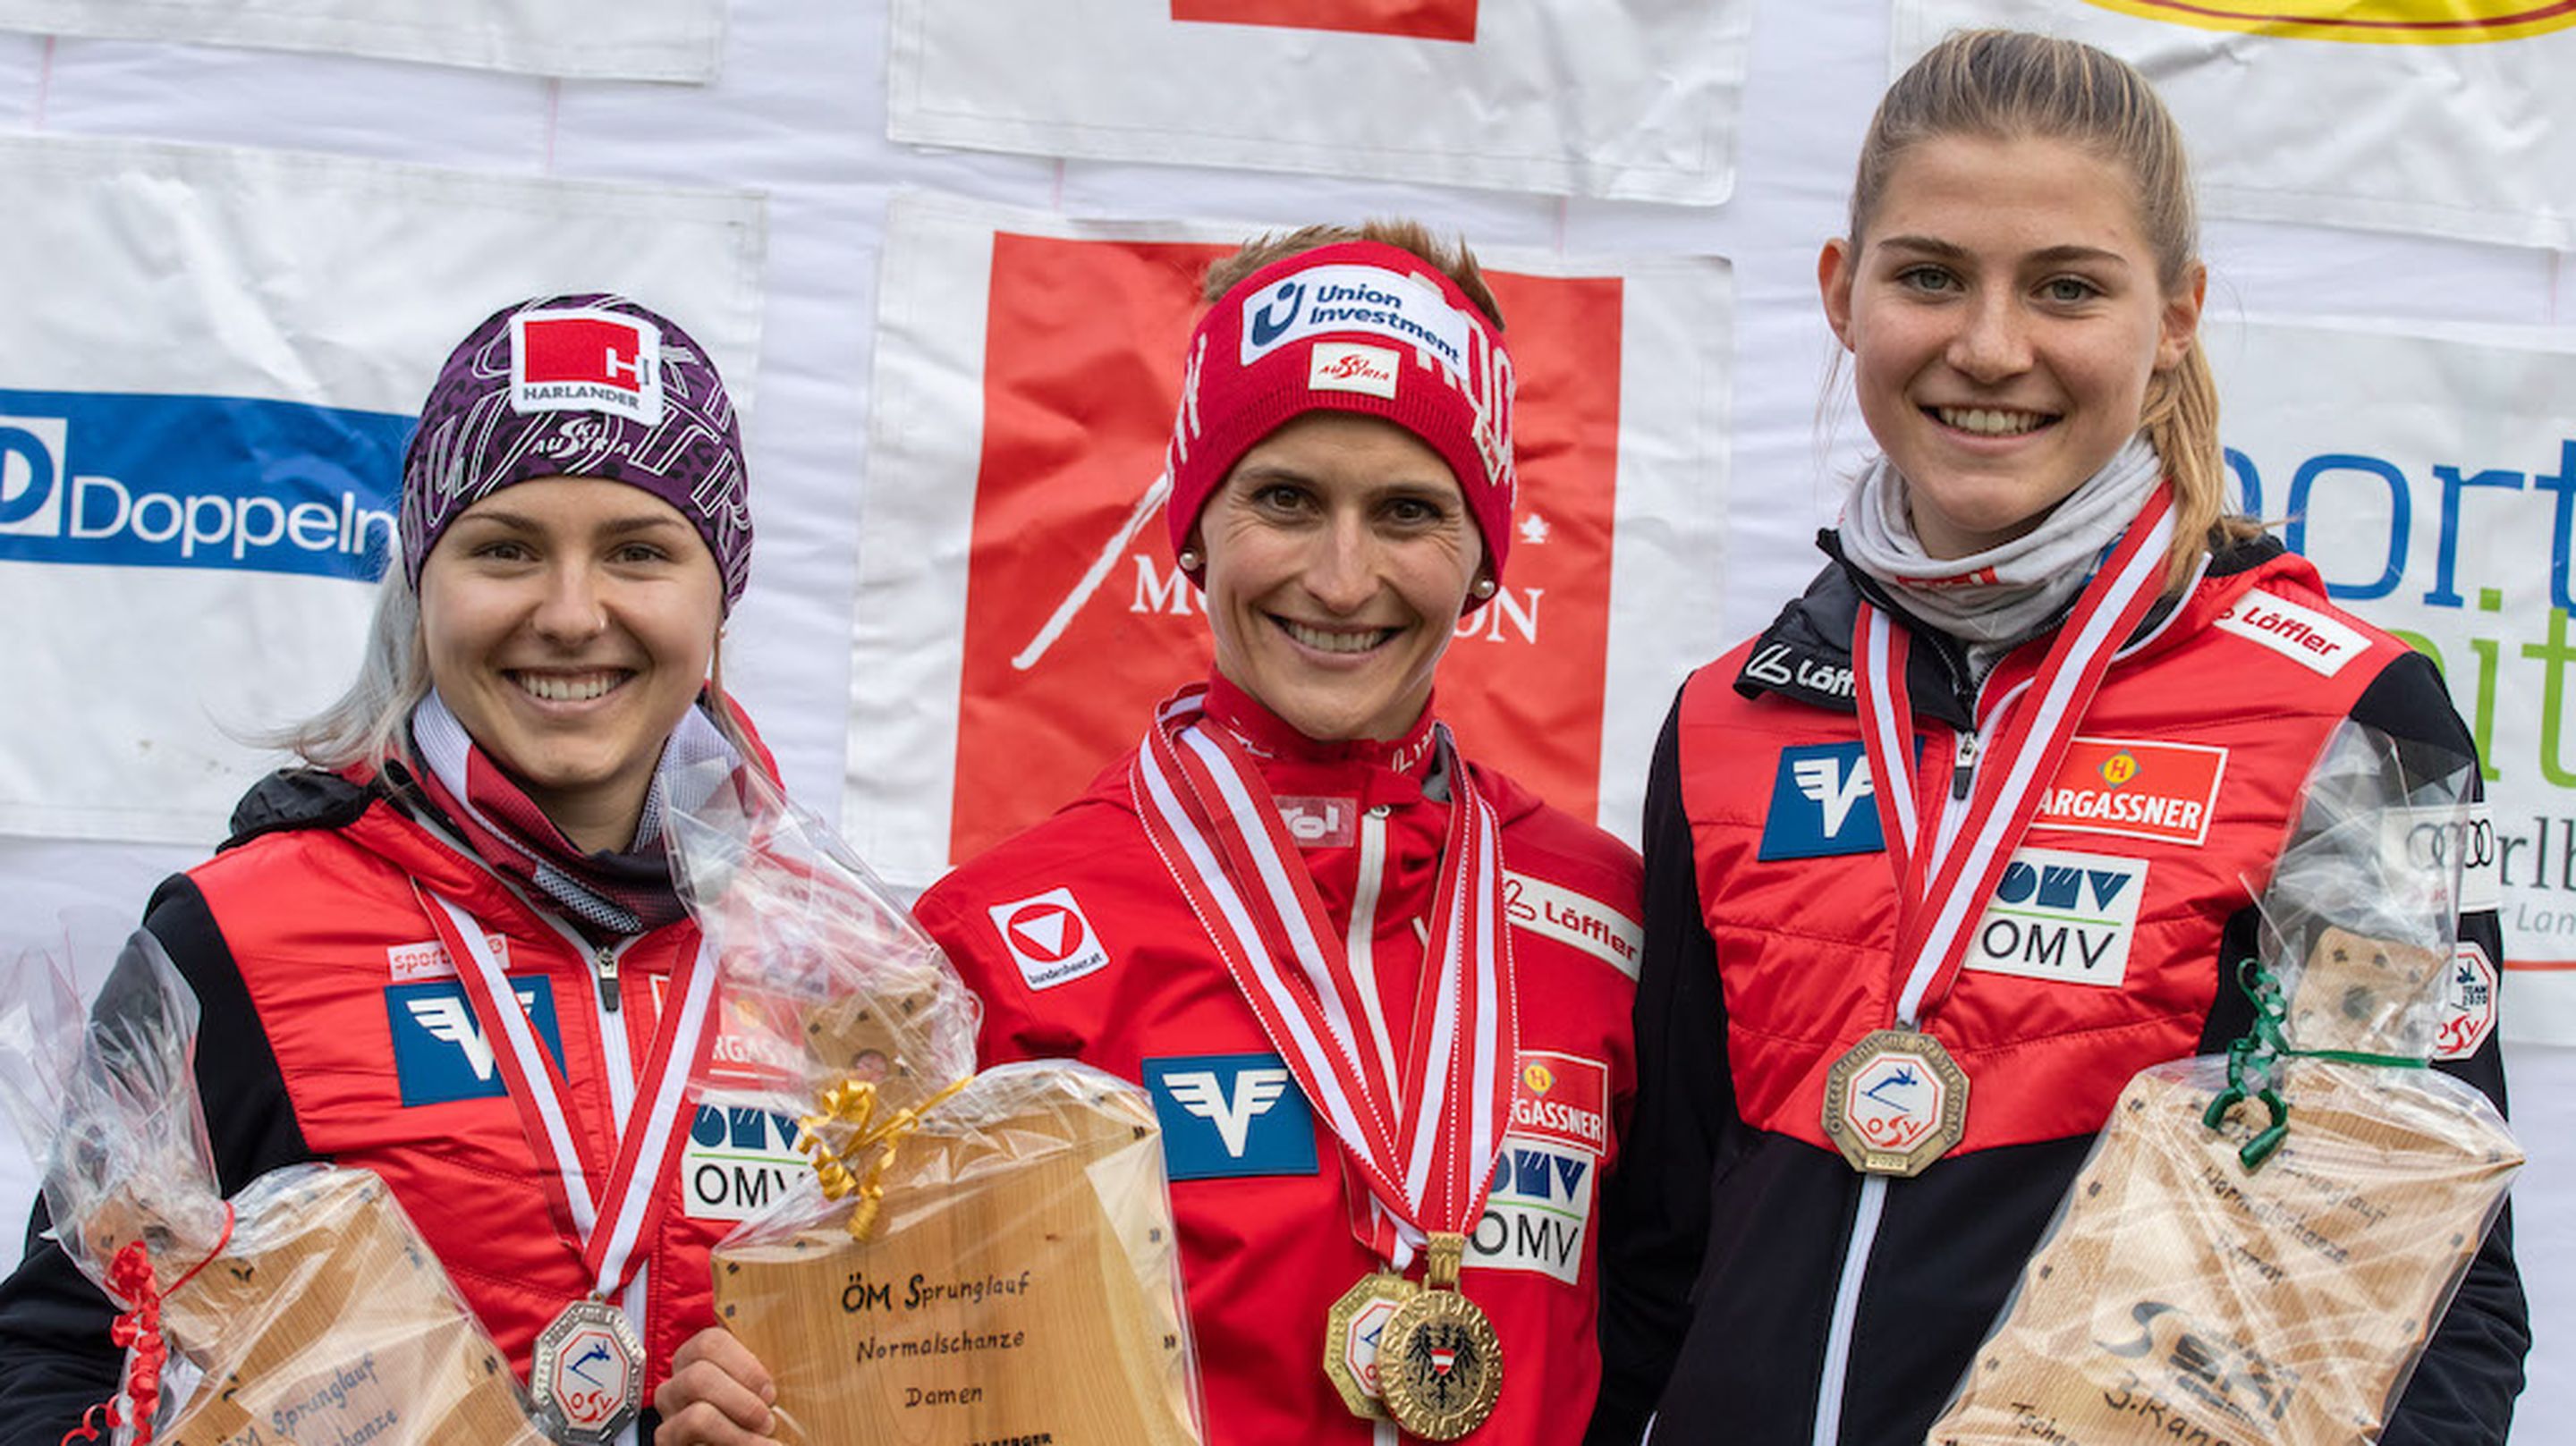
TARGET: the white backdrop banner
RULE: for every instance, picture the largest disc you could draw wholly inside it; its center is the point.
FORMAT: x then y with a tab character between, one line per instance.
2441	508
1019	612
2453	117
592	39
1636	100
213	359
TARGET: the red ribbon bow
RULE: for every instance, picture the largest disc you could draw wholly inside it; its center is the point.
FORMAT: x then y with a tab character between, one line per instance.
129	1277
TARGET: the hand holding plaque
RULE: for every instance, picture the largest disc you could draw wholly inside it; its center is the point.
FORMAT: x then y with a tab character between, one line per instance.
976	1257
2262	1243
305	1309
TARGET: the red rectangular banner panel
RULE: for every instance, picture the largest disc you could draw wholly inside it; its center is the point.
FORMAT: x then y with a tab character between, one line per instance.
1420	19
1077	620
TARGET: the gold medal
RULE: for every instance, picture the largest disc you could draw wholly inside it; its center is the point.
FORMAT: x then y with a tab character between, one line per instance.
1895	1102
1439	1362
1352	1331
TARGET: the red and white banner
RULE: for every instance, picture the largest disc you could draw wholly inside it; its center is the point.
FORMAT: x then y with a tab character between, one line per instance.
2432	478
590	39
2453	117
1640	100
1019	613
197	480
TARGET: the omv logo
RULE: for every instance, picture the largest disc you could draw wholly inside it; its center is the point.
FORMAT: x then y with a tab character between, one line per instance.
223	482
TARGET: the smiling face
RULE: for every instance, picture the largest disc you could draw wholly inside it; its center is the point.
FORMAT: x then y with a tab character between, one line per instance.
2004	317
1339	554
569	623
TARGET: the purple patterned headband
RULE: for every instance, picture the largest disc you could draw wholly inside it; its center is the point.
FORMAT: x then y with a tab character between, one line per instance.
580	386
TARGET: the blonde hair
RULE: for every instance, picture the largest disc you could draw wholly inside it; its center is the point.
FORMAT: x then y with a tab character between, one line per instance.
2011	85
1451	258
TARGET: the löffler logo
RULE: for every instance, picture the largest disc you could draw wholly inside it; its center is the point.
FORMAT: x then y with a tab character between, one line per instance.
1418	19
2368	22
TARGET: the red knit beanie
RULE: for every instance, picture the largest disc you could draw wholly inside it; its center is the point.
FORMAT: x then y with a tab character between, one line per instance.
1358	326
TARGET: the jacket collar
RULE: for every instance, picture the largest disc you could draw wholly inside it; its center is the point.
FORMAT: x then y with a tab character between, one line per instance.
1805	655
1272	740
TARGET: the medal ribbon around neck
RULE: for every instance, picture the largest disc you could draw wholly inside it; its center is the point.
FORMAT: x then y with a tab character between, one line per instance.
601	1214
1941	891
1426	1143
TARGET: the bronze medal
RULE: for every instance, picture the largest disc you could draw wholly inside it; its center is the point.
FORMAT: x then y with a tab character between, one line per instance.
1439	1361
1353	1329
1895	1102
588	1379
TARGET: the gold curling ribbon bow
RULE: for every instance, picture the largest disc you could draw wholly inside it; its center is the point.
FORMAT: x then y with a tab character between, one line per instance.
854	1103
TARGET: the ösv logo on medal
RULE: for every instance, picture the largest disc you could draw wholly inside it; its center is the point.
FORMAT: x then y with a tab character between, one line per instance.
1049	938
1821	804
1230	1115
2067	918
1895	1102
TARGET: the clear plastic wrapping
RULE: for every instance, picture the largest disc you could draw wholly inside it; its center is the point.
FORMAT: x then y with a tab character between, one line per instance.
978	1257
308	1312
2260	1244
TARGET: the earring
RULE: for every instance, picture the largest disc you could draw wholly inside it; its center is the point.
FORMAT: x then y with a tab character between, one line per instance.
1484	589
1189	559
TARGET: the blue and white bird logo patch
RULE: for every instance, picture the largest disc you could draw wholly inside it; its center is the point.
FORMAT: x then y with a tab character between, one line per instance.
440	1053
1822	804
1227	1115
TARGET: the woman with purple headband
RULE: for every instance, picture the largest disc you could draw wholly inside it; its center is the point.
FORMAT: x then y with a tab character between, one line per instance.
477	819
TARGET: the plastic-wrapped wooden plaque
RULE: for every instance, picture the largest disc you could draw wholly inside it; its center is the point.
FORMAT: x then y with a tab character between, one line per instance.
2180	1296
1020	1282
325	1320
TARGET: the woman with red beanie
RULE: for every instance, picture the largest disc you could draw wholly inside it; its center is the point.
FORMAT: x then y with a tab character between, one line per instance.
1374	989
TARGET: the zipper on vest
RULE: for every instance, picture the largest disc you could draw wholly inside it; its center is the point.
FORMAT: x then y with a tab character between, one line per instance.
605	960
1963	766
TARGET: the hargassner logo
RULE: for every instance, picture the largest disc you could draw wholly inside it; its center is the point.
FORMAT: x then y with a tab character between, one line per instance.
111	479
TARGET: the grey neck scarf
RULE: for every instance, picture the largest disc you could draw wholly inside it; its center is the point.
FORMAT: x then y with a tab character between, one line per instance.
1993	599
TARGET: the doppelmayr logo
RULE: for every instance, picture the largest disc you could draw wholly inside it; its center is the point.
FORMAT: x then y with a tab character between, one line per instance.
109	479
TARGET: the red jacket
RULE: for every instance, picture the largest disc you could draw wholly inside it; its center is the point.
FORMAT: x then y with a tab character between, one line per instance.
1082	947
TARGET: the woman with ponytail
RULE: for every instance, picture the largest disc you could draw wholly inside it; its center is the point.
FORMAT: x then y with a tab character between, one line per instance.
1847	1150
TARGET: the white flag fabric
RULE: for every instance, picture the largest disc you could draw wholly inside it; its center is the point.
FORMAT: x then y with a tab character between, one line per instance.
213	361
2432	479
678	40
1019	612
1636	100
2449	117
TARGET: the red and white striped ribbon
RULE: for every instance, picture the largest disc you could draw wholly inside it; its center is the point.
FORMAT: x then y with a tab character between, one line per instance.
1425	1142
1941	892
607	1211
